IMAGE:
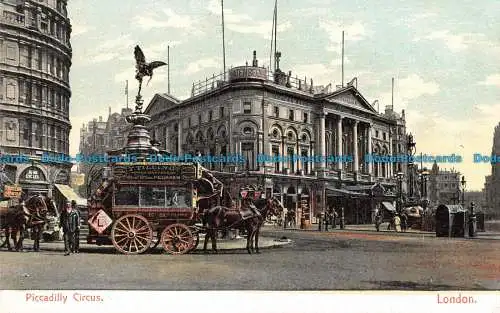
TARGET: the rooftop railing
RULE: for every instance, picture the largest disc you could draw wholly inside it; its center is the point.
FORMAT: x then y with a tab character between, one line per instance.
252	73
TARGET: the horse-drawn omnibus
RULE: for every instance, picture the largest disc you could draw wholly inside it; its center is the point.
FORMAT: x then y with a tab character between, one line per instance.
139	205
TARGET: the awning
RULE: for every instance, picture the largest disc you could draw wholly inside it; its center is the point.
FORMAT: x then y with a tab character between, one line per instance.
342	192
68	193
388	206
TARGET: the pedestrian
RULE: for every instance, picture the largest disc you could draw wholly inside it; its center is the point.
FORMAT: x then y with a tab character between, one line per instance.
69	221
77	231
334	218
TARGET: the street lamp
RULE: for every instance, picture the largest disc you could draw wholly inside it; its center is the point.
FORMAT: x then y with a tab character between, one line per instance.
400	176
464	183
423	182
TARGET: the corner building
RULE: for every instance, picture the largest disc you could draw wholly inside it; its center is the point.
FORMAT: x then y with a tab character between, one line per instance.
35	59
249	111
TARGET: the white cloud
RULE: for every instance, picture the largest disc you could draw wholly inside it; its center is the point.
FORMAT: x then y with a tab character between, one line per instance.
409	88
454	42
352	32
491	80
169	19
78	29
107	50
201	64
243	23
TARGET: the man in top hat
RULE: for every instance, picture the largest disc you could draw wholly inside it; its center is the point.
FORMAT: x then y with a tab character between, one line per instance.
70	222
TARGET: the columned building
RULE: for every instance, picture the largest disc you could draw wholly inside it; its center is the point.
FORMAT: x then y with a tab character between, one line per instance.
249	112
35	60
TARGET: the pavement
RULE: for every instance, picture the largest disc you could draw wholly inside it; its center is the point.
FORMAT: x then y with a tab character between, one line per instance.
370	228
222	244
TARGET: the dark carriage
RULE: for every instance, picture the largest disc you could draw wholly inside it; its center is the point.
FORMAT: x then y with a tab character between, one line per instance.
451	221
385	214
412	217
141	205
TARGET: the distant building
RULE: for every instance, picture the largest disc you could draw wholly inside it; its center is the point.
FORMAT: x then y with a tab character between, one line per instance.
35	61
444	186
492	183
99	136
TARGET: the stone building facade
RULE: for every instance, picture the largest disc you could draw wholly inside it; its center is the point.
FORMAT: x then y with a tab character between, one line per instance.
35	60
99	136
492	182
250	111
444	186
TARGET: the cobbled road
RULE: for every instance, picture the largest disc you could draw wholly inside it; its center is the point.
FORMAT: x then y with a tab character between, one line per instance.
314	261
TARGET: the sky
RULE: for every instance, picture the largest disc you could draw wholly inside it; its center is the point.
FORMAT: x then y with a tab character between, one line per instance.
444	56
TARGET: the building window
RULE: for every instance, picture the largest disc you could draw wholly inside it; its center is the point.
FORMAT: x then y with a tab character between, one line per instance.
248	153
276	154
290	115
306	118
221	112
199	119
247	130
384	136
305	163
210	115
291	163
276	112
247	107
1	88
376	134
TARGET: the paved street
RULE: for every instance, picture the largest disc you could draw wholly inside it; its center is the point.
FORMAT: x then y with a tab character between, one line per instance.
318	261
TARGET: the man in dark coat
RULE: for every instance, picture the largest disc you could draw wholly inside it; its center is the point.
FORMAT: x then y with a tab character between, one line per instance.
77	232
70	222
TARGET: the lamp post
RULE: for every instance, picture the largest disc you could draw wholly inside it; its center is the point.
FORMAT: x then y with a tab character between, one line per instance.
400	176
463	183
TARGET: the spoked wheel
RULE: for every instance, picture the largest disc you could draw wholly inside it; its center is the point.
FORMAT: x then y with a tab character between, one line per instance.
3	238
177	239
132	234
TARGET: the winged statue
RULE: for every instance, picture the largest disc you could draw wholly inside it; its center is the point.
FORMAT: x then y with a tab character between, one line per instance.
143	68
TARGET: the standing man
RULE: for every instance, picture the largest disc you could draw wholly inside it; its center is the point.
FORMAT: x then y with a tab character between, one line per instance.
69	221
77	231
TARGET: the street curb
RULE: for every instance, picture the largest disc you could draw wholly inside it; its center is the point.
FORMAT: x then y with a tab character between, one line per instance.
381	232
59	246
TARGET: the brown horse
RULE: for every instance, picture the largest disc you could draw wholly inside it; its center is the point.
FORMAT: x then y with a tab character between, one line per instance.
20	217
222	218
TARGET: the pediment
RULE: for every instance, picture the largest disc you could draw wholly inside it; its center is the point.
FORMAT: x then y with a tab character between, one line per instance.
351	98
160	103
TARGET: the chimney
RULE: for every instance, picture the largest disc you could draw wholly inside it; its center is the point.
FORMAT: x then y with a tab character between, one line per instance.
255	63
100	118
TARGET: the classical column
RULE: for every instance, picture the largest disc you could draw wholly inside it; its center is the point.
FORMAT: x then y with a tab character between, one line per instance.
369	134
322	139
339	142
355	145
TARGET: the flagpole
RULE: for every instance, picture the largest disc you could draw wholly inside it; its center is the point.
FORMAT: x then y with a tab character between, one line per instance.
342	58
168	69
272	37
275	30
126	92
223	41
392	94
